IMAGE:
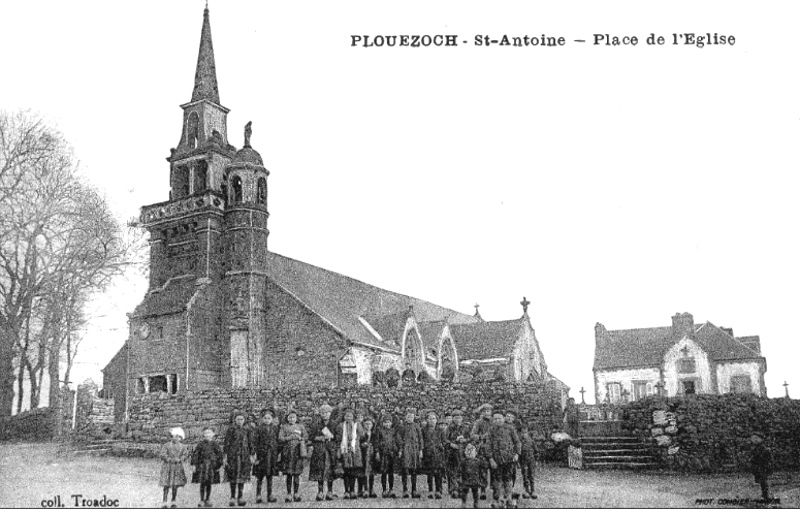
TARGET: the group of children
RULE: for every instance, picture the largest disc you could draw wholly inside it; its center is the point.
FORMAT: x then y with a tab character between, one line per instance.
353	447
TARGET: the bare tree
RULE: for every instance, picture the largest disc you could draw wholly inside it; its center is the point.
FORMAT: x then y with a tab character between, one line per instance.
59	245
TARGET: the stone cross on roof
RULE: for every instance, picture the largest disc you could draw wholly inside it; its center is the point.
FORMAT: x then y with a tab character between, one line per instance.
524	304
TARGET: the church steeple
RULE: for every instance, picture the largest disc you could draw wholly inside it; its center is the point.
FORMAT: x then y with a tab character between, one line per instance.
205	77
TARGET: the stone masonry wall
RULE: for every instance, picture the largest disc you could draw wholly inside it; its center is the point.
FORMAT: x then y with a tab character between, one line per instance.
712	432
151	416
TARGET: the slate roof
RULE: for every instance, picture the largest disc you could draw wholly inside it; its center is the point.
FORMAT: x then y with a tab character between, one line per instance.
646	347
169	300
341	300
487	339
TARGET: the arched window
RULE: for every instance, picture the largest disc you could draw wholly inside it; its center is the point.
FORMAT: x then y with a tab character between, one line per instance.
192	130
236	184
262	191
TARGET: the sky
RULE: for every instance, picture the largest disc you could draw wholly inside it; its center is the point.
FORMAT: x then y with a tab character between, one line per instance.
612	184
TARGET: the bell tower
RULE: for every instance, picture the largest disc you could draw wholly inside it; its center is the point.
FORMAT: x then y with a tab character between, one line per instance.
197	163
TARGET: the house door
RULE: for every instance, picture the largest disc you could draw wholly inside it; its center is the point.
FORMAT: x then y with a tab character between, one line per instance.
688	387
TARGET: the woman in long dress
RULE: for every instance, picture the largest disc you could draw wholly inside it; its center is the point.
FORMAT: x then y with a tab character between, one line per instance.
293	437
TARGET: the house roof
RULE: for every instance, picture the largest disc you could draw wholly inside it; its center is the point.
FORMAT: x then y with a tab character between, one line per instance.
646	347
341	300
486	339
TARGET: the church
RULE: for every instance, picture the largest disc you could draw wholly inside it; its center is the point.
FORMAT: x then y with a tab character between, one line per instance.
222	310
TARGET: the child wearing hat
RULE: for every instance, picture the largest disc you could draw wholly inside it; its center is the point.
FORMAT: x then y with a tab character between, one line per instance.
173	454
386	449
409	453
324	452
504	449
527	461
760	463
207	459
457	437
433	455
366	482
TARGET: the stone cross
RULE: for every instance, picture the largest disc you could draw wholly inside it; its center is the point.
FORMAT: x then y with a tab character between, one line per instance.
582	393
524	304
786	386
476	309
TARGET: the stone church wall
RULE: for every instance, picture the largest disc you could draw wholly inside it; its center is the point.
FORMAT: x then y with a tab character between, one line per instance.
301	348
712	432
151	416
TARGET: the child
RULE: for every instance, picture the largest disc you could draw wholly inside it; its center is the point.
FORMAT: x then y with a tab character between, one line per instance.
173	453
504	448
527	461
207	460
238	449
433	455
266	447
293	436
457	438
469	474
761	463
366	482
409	453
323	455
386	449
350	437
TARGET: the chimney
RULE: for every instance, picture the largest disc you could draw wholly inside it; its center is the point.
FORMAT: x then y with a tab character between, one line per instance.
727	330
682	324
599	330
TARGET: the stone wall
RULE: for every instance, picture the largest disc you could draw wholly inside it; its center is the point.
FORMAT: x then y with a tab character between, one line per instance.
151	416
712	432
32	426
94	415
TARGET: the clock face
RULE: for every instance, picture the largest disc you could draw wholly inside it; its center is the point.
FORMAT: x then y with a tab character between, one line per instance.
144	331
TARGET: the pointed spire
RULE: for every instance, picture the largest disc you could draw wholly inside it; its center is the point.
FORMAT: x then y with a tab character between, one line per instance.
205	78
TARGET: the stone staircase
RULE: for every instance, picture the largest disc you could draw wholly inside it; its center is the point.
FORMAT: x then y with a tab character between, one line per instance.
96	447
617	452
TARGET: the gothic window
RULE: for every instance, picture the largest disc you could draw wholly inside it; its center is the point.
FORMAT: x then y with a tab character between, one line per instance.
262	190
192	130
236	184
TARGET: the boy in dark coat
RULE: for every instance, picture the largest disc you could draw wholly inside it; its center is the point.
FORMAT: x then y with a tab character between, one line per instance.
386	449
433	455
469	475
323	456
409	453
527	461
207	460
761	463
480	436
504	449
457	437
238	450
265	440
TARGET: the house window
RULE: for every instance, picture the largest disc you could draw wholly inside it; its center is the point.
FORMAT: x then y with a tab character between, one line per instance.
688	387
262	191
237	190
639	390
614	393
687	365
158	383
741	384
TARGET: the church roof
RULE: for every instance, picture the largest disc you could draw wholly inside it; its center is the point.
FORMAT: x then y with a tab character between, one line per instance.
487	339
646	347
205	77
341	300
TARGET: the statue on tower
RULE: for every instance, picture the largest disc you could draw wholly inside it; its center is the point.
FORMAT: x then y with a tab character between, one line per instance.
248	131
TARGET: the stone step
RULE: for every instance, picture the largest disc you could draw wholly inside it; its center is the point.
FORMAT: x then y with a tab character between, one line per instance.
621	465
611	452
619	458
